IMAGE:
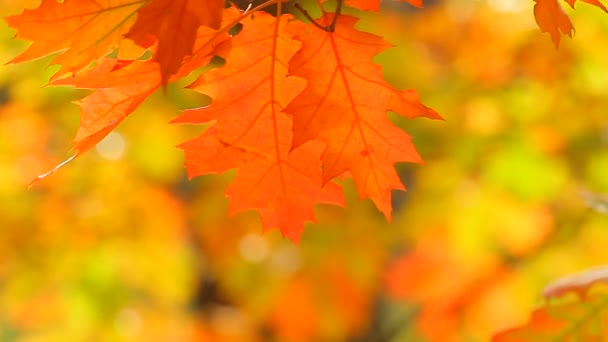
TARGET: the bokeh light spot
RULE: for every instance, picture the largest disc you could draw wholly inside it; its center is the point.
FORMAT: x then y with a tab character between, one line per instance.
286	260
112	147
128	323
253	248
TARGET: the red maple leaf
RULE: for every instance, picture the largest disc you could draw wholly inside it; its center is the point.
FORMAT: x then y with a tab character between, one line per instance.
345	104
174	24
253	134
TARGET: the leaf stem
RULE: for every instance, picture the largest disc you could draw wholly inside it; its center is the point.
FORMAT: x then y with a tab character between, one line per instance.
328	28
311	19
332	26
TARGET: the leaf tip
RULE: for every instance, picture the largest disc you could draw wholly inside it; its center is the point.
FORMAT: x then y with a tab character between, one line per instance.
44	175
294	237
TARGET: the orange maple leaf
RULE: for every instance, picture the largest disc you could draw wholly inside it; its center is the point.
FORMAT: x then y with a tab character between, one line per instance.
345	104
364	5
121	87
252	133
174	24
551	18
374	5
415	3
82	30
592	2
208	43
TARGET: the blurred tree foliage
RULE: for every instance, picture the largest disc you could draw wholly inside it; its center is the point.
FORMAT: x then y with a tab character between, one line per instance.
121	246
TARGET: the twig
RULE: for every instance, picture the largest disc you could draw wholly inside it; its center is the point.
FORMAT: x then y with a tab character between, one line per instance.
311	19
328	28
332	26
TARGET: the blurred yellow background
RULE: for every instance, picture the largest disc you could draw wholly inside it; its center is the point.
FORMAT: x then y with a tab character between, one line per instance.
120	246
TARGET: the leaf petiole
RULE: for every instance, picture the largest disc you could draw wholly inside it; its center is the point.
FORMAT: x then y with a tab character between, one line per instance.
328	28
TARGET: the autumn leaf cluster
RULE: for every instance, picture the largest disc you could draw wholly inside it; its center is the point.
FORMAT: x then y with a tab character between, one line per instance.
293	107
296	103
